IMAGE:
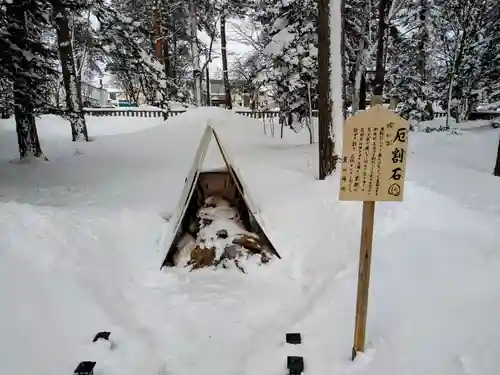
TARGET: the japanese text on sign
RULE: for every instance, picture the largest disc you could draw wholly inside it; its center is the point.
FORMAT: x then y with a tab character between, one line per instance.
374	156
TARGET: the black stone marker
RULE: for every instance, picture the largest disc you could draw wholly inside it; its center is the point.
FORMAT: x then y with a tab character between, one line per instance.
293	338
85	368
102	335
295	365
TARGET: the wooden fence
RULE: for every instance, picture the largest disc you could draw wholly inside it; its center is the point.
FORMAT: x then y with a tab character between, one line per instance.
126	112
135	112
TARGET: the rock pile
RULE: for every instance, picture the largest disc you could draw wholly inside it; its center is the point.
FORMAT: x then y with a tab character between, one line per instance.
218	238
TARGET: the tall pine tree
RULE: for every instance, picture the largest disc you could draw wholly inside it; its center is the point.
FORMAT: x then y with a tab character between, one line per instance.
27	62
71	79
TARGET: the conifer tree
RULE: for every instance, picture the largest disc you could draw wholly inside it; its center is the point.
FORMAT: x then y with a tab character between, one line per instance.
26	65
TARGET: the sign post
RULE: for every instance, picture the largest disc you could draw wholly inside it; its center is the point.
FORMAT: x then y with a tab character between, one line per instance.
373	169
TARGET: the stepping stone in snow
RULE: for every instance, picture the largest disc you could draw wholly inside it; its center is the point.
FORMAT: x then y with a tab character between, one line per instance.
295	365
85	368
293	338
102	335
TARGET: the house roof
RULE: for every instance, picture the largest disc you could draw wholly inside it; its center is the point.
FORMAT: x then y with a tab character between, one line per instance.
114	89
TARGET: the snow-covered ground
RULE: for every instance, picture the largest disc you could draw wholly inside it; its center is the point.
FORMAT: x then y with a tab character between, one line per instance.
81	247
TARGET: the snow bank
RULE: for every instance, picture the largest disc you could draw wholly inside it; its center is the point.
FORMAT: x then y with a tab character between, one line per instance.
62	278
81	246
434	286
54	127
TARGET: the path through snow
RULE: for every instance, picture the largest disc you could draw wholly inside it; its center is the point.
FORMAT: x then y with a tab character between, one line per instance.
81	245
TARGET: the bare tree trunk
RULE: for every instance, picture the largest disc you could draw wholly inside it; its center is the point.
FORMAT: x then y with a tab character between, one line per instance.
450	96
225	74
356	94
209	97
58	94
378	88
27	135
283	121
336	79
362	93
457	62
496	171
421	57
195	52
422	40
208	60
71	81
174	59
345	80
310	117
80	63
166	57
359	92
131	92
325	126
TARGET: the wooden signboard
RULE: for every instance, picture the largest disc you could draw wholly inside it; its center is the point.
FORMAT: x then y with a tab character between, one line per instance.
373	169
374	156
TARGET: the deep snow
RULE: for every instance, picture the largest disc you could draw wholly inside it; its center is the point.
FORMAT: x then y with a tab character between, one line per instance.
81	245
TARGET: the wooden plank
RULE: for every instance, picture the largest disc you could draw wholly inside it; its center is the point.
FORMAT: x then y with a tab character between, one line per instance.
374	156
365	256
